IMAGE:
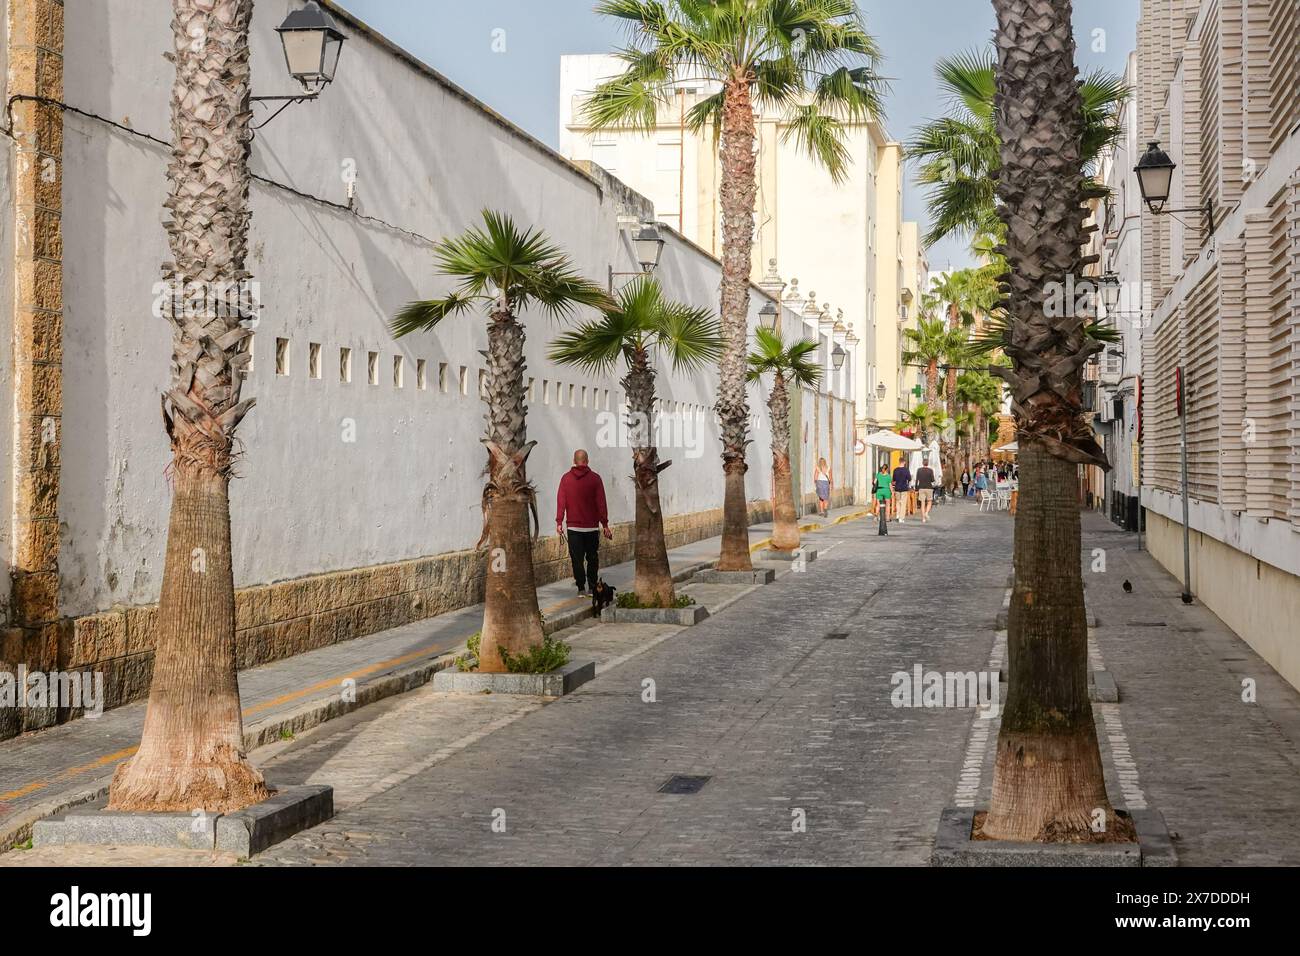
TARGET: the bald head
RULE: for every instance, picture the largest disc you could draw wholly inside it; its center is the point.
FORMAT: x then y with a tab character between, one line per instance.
580	456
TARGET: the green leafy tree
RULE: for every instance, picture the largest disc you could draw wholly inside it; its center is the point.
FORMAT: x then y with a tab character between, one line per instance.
789	365
813	61
505	271
640	325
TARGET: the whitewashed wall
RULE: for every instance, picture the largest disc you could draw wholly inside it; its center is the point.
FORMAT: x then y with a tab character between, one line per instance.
427	159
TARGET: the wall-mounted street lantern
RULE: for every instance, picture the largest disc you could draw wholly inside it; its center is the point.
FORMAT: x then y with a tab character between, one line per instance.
648	245
880	391
767	316
1155	173
312	45
837	357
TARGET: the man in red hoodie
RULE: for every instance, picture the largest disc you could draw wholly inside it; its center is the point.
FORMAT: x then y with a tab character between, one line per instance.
582	500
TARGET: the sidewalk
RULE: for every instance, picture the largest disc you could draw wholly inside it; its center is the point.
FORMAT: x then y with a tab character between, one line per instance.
47	771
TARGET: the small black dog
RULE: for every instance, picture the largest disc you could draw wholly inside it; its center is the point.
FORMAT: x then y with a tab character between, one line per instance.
602	596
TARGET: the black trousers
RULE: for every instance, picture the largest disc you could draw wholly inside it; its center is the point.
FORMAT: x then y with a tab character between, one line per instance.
584	546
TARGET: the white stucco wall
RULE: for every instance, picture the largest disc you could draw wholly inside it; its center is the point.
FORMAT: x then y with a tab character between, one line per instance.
427	160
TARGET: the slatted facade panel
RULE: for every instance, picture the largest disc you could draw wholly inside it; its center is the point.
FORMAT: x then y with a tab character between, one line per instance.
1284	69
1257	108
1201	382
1214	150
1266	418
1192	149
1286	336
1233	385
1161	352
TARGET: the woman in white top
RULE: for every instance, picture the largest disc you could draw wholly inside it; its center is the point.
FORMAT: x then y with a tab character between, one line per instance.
822	482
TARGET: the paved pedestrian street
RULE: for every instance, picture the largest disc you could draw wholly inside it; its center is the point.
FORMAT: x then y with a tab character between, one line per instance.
782	700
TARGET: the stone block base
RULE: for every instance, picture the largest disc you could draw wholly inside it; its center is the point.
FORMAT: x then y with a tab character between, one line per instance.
684	616
556	683
287	811
953	846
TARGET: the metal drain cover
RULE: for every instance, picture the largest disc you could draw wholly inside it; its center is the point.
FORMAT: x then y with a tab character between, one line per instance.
684	783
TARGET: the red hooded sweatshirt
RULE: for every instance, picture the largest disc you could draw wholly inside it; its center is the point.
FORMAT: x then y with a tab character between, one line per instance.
582	499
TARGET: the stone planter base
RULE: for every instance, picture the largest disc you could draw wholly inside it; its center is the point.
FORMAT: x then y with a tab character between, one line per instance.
556	683
954	847
685	616
757	576
287	811
807	554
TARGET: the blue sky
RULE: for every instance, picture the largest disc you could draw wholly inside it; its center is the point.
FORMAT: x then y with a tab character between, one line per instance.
522	83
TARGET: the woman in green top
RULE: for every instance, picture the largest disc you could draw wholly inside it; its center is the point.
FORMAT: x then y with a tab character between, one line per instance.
883	490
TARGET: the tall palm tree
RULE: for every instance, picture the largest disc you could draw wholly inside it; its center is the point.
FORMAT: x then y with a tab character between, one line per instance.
1047	778
505	270
812	60
191	753
640	323
789	365
958	153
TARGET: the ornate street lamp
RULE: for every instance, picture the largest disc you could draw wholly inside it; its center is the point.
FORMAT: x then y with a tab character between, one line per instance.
648	245
767	316
1155	173
837	357
312	45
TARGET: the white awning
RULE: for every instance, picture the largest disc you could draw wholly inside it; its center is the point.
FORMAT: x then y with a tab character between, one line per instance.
893	440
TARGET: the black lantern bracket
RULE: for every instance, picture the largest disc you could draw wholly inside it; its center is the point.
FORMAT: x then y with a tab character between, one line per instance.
312	45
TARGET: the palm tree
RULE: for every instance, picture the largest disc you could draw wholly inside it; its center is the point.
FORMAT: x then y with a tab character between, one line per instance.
1047	779
191	753
640	323
958	153
812	60
788	365
506	271
982	393
925	419
928	345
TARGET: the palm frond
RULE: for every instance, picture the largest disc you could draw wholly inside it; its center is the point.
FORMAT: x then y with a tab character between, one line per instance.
820	136
423	316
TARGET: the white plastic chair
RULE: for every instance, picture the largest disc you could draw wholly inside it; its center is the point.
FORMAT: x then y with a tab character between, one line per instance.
1004	497
987	500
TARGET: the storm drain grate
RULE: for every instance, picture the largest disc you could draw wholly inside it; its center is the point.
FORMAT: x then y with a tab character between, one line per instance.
684	783
837	636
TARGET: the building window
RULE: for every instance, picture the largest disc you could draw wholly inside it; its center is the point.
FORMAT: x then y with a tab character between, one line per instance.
372	368
313	359
345	365
399	367
281	356
421	375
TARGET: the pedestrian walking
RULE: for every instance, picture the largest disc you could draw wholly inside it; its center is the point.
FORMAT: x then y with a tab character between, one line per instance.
981	482
822	479
581	503
965	483
925	488
902	490
883	496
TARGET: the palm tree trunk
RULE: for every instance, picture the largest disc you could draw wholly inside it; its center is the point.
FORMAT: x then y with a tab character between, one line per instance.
785	521
1047	778
739	191
191	753
512	620
654	578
